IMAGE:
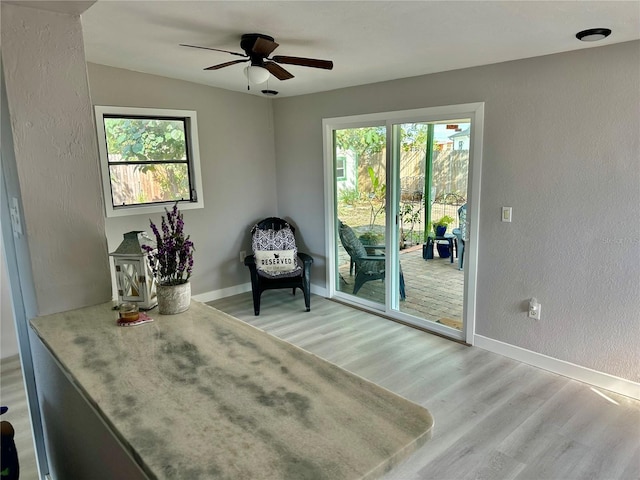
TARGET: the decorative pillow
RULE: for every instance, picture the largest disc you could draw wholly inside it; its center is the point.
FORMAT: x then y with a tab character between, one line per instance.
275	251
276	261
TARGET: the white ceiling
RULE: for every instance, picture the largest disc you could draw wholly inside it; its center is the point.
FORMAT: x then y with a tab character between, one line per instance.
368	41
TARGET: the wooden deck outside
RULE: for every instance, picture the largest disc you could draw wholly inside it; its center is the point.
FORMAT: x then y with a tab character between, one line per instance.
434	288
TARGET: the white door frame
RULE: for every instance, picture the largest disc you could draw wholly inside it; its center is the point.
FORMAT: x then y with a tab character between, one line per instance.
474	111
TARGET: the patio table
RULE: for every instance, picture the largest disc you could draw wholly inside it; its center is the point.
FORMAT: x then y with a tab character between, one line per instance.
448	237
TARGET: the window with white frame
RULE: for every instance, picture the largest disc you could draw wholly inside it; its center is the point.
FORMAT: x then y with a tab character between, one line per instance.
149	159
341	162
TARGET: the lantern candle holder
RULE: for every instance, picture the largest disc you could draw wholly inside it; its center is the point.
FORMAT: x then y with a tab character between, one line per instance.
135	280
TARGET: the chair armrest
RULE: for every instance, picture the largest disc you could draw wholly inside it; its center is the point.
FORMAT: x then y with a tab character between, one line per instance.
250	260
375	258
306	259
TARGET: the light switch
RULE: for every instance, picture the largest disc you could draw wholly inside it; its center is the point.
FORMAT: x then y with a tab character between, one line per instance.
506	214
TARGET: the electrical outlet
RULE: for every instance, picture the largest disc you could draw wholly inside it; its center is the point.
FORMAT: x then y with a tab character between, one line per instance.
243	254
534	309
506	214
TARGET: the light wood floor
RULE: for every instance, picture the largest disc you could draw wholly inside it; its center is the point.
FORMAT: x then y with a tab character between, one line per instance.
495	418
12	395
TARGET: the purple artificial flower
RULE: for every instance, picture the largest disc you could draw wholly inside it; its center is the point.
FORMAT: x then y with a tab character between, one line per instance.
172	259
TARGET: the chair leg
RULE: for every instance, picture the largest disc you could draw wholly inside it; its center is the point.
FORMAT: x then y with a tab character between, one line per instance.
307	299
306	290
403	295
256	301
359	281
255	289
460	255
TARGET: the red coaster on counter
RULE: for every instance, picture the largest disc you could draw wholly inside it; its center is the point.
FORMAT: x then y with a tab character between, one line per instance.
142	319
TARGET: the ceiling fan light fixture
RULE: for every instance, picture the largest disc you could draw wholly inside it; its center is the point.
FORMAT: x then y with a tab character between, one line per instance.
256	74
593	34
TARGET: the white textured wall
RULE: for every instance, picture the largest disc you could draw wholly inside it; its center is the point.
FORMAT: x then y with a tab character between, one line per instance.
56	156
561	147
237	162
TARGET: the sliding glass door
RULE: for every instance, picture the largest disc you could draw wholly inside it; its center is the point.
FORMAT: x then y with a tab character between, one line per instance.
390	180
360	213
430	163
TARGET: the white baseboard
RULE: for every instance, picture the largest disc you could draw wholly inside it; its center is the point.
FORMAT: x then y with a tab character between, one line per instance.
222	293
320	291
561	367
245	287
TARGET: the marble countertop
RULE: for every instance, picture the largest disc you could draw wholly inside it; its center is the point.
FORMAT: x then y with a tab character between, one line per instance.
202	395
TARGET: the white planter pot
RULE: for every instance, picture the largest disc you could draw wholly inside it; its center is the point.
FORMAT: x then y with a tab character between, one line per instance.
173	299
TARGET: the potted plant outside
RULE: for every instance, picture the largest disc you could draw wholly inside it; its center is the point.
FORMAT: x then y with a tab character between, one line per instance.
172	263
440	229
371	238
440	226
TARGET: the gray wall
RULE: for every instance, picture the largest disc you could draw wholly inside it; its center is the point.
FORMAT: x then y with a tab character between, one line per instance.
561	148
237	162
56	156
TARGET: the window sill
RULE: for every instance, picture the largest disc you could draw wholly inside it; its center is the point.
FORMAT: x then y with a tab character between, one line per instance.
155	208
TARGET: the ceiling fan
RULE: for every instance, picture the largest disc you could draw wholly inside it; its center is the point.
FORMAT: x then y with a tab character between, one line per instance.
257	48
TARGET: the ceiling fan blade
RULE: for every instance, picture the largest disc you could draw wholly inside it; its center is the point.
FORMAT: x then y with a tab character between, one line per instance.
304	62
225	64
264	46
277	71
214	49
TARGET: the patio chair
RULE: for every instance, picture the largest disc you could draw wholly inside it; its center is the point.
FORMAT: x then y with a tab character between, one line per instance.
367	267
461	234
276	262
